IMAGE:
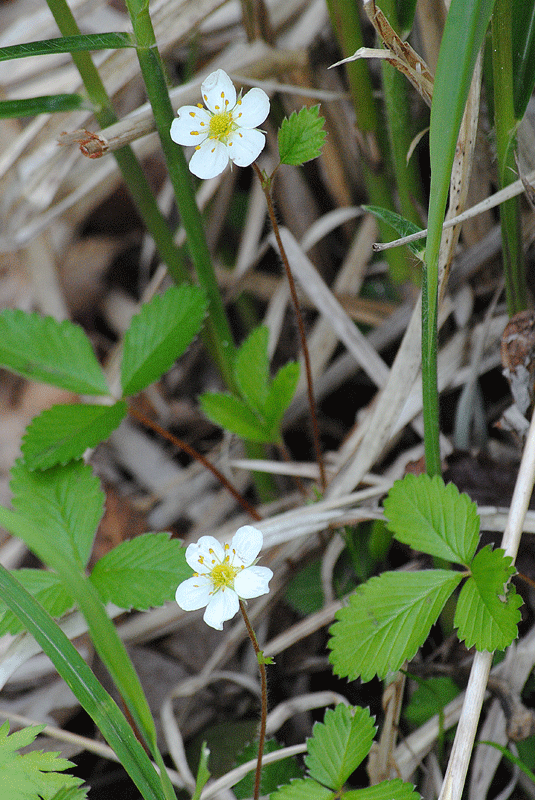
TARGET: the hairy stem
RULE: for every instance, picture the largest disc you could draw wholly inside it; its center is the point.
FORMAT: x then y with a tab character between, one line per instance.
263	713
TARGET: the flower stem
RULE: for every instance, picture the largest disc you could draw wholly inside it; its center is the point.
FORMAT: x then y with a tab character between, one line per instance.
187	448
266	188
263	713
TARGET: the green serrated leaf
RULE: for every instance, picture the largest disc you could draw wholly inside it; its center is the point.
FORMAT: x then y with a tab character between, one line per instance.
67	44
235	416
72	793
281	392
301	136
251	368
159	334
431	696
386	790
487	613
141	573
33	774
339	744
436	519
402	226
42	349
273	775
63	433
46	588
67	503
303	789
47	104
387	619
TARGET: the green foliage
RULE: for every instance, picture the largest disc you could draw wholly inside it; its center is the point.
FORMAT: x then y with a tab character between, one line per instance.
141	573
301	136
46	587
257	414
46	104
390	616
523	50
403	227
34	774
203	773
42	349
338	746
273	775
304	592
67	44
64	432
159	334
431	696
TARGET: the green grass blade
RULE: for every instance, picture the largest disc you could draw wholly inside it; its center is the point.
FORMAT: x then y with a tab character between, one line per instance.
67	44
80	679
523	47
47	104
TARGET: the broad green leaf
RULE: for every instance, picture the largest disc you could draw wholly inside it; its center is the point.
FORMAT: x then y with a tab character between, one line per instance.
159	334
487	613
429	699
387	619
67	503
281	392
47	589
79	677
386	790
141	573
42	349
273	775
303	789
305	591
339	744
251	368
63	433
429	516
67	44
523	50
301	136
34	774
47	104
402	226
235	416
203	773
74	793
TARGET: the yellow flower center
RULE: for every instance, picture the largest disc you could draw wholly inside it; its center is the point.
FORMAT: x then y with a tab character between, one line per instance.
221	125
222	575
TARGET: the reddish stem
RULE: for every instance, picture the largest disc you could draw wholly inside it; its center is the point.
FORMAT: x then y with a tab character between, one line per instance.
263	713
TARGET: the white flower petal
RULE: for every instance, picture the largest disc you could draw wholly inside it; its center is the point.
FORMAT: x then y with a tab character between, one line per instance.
247	542
244	146
201	554
191	126
218	92
252	582
210	159
193	593
252	109
223	605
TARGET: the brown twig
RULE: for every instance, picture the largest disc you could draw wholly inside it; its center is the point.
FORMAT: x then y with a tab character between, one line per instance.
266	183
263	713
149	423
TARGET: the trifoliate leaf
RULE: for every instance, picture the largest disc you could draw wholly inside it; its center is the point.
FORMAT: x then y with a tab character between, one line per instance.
141	573
301	136
386	790
429	516
303	789
63	433
431	696
251	368
387	619
46	587
339	744
159	334
236	416
42	349
280	393
34	774
67	504
487	613
273	775
402	226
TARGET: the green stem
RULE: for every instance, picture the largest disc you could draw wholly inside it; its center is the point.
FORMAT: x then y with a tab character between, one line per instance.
505	125
131	171
263	713
429	381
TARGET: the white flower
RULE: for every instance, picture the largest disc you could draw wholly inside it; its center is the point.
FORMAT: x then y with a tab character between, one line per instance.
224	574
225	129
